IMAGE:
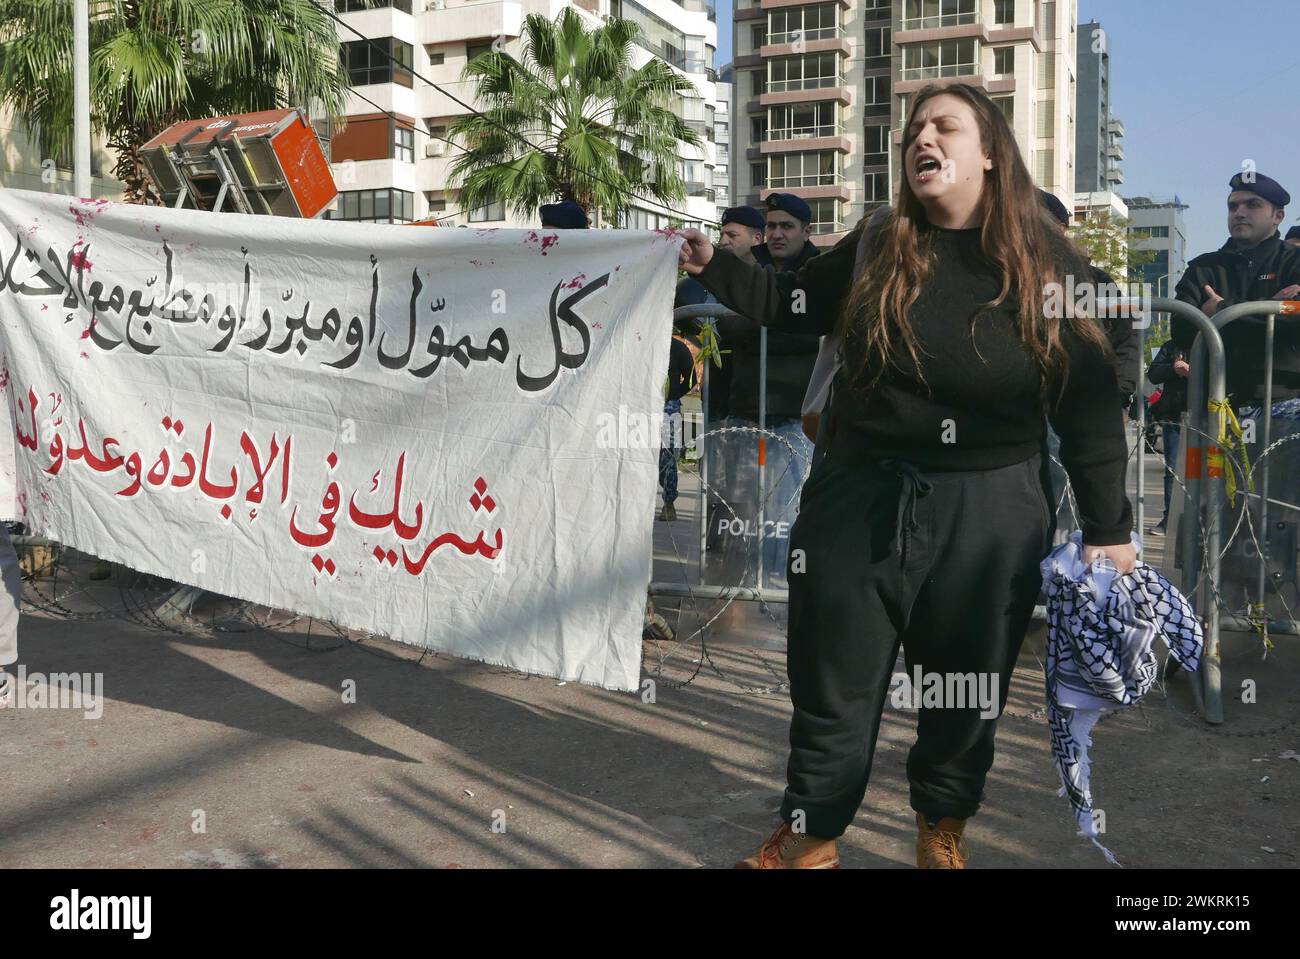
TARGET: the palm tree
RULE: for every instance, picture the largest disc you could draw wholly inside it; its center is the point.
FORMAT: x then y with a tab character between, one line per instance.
572	120
155	62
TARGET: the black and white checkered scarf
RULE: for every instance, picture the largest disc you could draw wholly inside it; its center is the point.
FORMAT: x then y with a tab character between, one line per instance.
1101	632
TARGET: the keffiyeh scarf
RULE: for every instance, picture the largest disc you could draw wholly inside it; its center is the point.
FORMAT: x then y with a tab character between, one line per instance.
1101	632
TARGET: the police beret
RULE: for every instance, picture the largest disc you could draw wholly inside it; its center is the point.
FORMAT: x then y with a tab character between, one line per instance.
1054	206
1293	233
789	203
1263	187
564	216
745	216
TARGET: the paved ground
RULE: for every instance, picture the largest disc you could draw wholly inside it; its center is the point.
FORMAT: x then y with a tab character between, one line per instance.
248	732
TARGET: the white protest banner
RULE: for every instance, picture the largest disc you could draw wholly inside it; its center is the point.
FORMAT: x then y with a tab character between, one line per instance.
398	429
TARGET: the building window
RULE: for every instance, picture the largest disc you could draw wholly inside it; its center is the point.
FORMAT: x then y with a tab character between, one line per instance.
875	188
929	14
943	58
473	50
368	61
436	59
820	22
758	34
404	144
876	47
1046	117
800	121
803	169
875	91
484	213
1004	12
759	82
758	174
1004	61
811	72
1046	71
758	129
825	216
876	148
1007	105
1046	167
351	6
437	206
663	39
875	9
374	206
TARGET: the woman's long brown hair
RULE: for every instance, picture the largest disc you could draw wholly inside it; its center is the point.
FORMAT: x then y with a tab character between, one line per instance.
1016	236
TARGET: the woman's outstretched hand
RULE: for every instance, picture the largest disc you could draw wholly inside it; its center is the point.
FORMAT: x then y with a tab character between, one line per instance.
696	252
1123	556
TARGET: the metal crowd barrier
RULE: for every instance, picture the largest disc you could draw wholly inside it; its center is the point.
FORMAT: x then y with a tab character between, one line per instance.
703	589
1202	466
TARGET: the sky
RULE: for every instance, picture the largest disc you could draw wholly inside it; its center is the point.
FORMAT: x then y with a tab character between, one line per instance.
1200	90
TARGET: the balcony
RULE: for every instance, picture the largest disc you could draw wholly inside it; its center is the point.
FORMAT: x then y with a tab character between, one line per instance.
772	145
773	97
469	21
1114	175
803	83
941	21
793	36
1115	151
943	70
784	48
1116	127
806	133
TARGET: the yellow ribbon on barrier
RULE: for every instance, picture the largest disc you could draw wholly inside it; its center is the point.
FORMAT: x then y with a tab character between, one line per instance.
1258	615
1229	434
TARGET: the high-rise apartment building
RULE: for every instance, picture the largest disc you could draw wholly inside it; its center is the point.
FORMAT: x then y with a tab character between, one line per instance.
392	162
811	114
825	89
722	142
1157	225
1099	150
1021	51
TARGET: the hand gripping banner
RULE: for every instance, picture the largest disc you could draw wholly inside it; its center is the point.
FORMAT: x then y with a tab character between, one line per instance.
398	429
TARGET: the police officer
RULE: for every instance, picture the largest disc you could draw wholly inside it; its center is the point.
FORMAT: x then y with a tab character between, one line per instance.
1255	264
566	215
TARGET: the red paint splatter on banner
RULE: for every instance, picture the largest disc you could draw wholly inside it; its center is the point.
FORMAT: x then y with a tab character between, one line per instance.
547	240
85	208
85	356
576	282
4	378
80	261
597	326
85	334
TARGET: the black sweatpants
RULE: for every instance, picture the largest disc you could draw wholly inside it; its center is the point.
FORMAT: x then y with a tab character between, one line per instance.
946	564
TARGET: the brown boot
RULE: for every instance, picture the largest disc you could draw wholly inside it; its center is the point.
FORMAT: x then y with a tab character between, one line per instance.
787	849
942	846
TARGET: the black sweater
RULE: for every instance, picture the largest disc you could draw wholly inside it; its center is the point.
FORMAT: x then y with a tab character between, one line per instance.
987	404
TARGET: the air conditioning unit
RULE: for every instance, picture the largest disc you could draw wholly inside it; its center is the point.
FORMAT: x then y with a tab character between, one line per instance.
435	148
435	4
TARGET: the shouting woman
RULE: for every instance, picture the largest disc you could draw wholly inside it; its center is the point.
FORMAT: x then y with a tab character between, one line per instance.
925	519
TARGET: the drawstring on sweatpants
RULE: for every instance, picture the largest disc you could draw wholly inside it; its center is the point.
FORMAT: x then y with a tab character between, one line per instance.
915	486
